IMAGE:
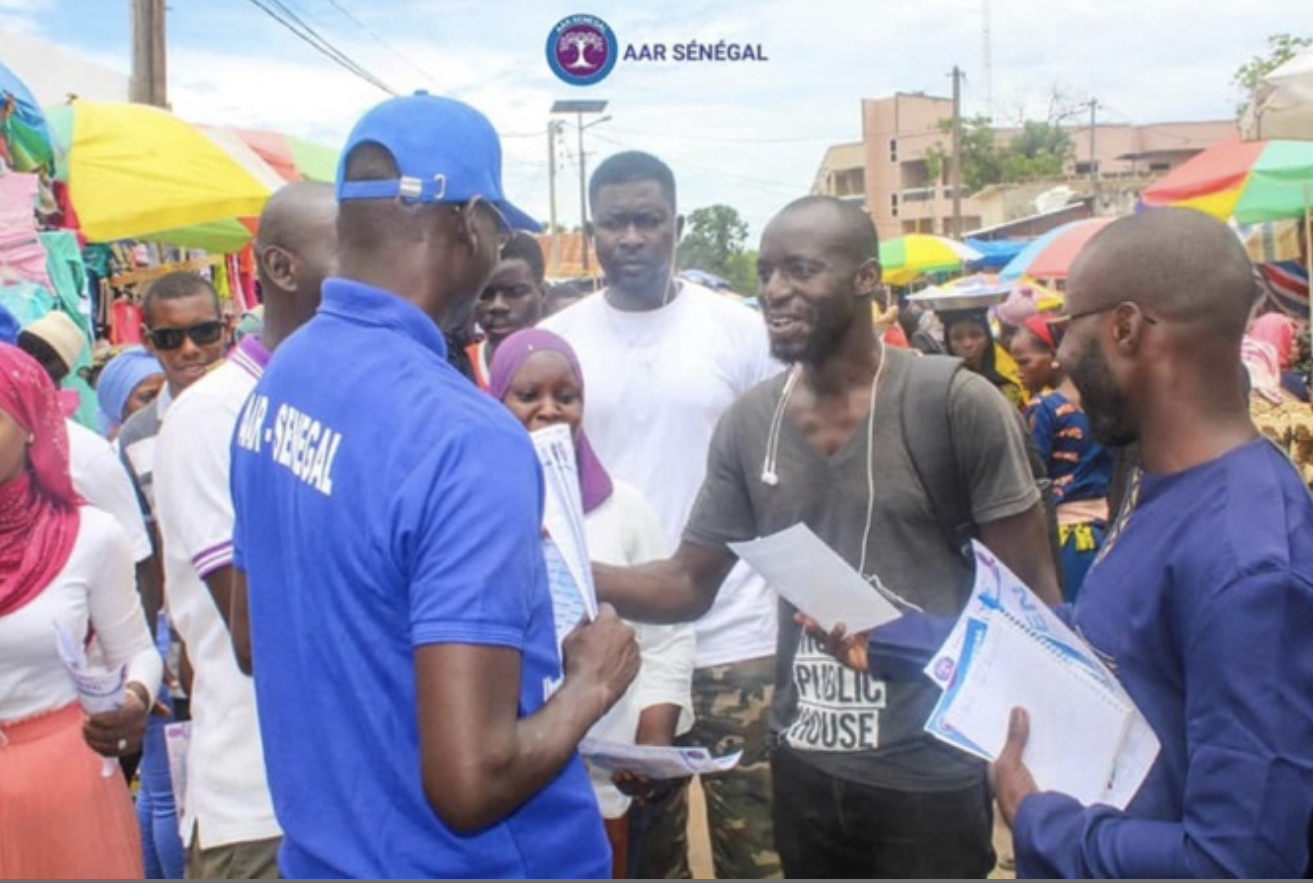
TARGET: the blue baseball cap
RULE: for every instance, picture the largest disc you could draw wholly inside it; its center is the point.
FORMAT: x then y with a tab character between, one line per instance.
446	151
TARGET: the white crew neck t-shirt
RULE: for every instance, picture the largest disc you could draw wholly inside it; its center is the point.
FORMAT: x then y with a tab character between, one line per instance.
656	383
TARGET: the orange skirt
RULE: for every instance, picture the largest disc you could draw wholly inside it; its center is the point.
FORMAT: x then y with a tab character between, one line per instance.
59	818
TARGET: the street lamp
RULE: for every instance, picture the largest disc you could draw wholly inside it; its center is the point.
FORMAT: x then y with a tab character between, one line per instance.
581	107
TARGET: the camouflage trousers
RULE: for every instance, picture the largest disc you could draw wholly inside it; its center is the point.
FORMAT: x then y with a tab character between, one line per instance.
732	705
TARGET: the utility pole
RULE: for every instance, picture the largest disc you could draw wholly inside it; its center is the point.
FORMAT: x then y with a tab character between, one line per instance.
1094	164
553	127
989	64
150	80
583	195
955	169
581	107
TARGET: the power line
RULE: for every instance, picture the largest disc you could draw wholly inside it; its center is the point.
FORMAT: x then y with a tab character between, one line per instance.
292	22
331	49
370	31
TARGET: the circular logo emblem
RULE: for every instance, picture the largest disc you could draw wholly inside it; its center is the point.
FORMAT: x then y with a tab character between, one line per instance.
944	669
582	49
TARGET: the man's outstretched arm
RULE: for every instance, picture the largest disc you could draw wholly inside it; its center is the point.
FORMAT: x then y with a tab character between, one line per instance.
680	588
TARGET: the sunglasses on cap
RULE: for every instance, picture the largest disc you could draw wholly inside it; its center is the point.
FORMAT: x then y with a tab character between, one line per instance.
200	334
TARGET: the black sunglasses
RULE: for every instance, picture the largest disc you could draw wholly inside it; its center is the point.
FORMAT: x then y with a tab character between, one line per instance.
200	334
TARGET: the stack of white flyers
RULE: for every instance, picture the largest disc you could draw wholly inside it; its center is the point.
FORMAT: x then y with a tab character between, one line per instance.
1087	738
570	573
655	762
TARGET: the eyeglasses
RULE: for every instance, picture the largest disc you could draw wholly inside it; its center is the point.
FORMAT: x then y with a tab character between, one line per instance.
1068	318
200	334
504	228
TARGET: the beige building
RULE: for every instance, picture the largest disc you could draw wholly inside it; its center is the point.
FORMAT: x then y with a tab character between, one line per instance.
902	197
843	172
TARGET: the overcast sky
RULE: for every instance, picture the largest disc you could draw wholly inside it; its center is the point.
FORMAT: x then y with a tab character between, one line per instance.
747	134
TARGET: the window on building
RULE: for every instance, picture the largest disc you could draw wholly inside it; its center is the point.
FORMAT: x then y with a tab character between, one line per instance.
893	205
893	150
850	182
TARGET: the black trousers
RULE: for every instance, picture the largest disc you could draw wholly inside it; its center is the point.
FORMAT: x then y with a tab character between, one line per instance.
830	828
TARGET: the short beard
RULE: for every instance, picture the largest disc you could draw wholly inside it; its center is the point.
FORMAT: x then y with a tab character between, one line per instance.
823	339
1107	410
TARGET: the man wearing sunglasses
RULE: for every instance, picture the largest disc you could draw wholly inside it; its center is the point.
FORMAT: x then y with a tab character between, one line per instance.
182	326
388	519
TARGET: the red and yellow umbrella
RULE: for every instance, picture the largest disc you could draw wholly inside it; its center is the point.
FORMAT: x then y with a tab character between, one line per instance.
1250	181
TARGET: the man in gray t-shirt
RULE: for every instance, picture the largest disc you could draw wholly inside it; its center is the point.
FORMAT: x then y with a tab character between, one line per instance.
861	790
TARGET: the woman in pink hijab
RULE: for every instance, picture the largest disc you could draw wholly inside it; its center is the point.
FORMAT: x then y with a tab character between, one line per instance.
63	565
1277	331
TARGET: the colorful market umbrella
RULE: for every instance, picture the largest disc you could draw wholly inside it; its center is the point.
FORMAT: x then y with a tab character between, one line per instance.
23	124
1251	181
1050	256
135	171
908	257
292	157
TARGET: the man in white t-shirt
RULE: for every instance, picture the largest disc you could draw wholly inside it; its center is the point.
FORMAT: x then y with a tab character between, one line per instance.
662	359
229	822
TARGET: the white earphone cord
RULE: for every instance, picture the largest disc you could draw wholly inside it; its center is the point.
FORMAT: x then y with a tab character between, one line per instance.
770	477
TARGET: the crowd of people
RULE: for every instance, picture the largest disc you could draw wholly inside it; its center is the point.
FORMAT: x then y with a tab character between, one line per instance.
322	544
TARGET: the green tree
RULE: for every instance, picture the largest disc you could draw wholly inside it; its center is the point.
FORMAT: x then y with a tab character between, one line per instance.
743	274
714	241
1281	48
1038	149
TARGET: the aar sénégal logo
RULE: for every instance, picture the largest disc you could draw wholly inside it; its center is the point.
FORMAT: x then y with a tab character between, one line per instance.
582	49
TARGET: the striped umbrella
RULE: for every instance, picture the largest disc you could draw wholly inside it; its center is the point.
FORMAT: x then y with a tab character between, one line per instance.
908	257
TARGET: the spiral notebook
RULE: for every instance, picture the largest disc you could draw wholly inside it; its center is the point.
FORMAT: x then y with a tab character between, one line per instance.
1087	738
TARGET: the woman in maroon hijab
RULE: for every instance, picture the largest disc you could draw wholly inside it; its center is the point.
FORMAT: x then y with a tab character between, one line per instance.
537	376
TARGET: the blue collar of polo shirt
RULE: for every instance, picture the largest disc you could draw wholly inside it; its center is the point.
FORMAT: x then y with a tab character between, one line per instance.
366	305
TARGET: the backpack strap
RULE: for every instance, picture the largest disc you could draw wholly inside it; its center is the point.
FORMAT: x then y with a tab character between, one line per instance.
928	436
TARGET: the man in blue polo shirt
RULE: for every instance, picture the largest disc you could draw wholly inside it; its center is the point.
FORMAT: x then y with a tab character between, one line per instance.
388	520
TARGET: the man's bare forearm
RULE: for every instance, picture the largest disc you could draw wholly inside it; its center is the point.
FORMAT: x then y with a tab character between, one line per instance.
678	589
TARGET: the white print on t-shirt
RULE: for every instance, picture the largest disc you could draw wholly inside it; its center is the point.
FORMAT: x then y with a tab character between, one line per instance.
302	444
837	707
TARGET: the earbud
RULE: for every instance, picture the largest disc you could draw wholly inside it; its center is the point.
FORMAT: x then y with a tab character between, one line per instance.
769	478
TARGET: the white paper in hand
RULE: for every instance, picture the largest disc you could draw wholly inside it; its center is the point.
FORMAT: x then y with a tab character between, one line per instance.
563	518
654	762
813	577
99	690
